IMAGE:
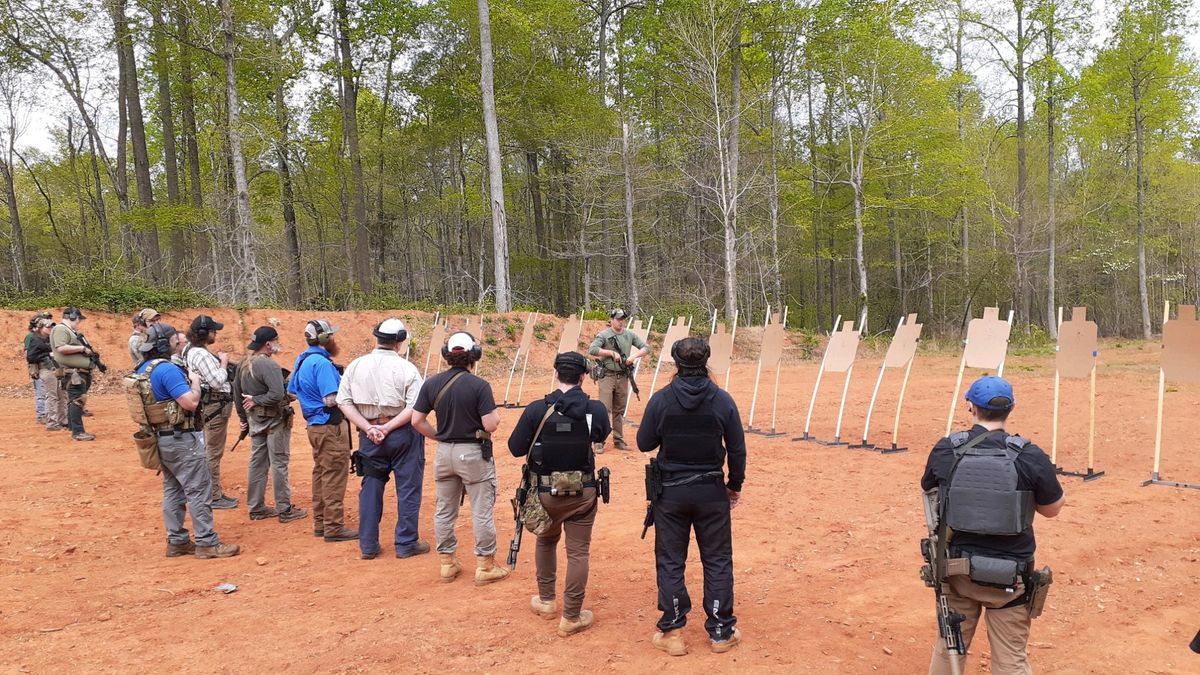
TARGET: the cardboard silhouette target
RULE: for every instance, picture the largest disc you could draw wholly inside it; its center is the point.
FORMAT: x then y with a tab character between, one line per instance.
720	344
1180	365
568	341
900	354
644	333
437	338
769	356
986	347
1077	354
522	351
679	328
838	358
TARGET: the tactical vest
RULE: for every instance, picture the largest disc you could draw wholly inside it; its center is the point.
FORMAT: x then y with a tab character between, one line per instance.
982	496
149	412
692	440
565	445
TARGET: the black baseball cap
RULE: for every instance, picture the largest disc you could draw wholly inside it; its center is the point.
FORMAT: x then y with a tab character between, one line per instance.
73	313
568	362
206	322
262	335
156	333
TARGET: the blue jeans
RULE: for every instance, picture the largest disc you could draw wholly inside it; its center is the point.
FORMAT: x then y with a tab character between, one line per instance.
39	398
402	454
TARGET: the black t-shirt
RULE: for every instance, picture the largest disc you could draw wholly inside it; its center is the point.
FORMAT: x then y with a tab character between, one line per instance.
461	410
1034	473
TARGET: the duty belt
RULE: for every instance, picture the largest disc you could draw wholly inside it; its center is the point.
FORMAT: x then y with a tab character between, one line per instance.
172	431
543	484
679	479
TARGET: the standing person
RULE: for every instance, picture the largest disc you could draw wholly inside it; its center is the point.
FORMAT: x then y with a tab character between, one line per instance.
173	397
135	340
149	316
466	417
698	429
216	398
260	395
72	352
38	356
618	350
39	391
989	485
377	394
557	434
314	383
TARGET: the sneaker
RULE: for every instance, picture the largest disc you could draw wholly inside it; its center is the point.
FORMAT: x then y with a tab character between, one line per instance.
421	547
87	413
621	446
83	436
225	502
543	608
263	515
578	624
344	535
53	426
670	642
177	550
722	646
292	513
218	551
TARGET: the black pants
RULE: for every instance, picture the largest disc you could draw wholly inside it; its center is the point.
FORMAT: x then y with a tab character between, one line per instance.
705	507
76	398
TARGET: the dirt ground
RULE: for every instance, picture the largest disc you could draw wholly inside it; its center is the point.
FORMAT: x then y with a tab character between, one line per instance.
825	542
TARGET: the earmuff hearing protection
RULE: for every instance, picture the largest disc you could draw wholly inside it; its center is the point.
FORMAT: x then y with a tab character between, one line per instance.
322	337
475	352
399	337
690	364
162	340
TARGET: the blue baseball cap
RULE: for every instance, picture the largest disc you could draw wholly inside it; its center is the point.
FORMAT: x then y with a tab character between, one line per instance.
991	393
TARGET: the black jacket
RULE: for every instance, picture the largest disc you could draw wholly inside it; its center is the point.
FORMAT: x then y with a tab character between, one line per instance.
39	350
573	403
689	395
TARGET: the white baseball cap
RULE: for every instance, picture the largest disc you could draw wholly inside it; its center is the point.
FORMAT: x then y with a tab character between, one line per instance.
391	329
460	342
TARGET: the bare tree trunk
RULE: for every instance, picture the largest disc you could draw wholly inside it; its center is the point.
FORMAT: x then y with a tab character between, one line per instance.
358	195
17	240
818	208
1024	291
290	230
1139	133
387	96
959	107
187	104
496	180
630	242
166	116
249	290
1051	223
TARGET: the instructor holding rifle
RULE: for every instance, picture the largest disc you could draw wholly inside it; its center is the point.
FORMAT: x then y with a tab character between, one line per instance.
618	350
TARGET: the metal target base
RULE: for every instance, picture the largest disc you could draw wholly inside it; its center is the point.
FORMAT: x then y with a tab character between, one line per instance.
512	406
813	439
763	432
863	446
1089	475
1155	480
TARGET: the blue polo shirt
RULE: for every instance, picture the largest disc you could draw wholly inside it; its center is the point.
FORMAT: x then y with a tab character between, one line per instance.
167	381
313	378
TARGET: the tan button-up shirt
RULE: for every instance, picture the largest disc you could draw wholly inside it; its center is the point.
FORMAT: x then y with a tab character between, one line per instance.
380	383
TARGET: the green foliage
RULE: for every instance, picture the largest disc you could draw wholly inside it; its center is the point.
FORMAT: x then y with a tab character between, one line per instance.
104	289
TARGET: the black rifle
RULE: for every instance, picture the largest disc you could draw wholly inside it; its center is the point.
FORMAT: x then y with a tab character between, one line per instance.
935	551
626	368
241	437
522	491
653	492
97	363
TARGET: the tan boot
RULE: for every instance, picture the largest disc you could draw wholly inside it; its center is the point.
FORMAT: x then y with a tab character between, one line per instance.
450	567
722	646
218	551
571	626
671	642
543	608
487	571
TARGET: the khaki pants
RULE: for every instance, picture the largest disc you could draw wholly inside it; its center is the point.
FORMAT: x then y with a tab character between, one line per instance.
575	515
1008	629
56	397
614	394
331	469
216	431
458	467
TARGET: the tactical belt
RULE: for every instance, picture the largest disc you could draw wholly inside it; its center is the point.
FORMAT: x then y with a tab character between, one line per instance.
681	479
543	482
172	431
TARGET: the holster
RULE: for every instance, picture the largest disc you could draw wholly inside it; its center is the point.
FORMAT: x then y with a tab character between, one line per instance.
1038	583
485	444
356	463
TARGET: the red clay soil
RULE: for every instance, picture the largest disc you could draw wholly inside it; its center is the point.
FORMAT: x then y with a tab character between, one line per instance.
825	543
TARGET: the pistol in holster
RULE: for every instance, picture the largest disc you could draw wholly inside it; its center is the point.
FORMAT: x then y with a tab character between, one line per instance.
356	463
653	492
485	444
1039	588
603	477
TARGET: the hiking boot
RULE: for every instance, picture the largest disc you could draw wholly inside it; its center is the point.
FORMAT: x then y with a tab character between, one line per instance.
54	426
543	608
225	503
292	513
620	445
722	646
571	626
218	551
370	556
83	436
176	550
263	515
318	532
87	413
343	535
670	642
421	547
41	419
450	567
598	448
487	571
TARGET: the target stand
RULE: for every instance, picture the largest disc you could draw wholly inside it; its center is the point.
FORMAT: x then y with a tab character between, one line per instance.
1077	355
720	343
677	329
769	357
900	354
1180	364
986	347
838	358
644	333
437	338
568	341
523	349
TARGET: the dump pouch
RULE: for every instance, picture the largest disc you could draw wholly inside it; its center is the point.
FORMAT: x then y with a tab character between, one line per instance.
147	447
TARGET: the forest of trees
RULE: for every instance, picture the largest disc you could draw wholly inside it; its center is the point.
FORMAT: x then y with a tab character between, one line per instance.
926	156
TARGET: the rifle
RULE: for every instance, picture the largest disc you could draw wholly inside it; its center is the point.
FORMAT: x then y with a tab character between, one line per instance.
522	490
626	368
241	437
934	549
653	492
97	363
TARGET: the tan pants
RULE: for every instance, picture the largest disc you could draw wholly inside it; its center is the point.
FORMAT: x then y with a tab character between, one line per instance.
56	397
1008	629
331	468
458	467
216	431
575	515
614	394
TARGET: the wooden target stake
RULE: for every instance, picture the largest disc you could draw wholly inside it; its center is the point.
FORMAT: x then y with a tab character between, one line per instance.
962	366
733	342
758	373
1000	370
778	369
523	348
658	364
638	366
1077	339
899	407
874	397
812	403
1054	422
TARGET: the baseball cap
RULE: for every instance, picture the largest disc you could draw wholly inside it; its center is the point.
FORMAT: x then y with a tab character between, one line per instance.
618	313
310	331
391	329
73	313
42	322
460	341
206	322
149	314
159	331
567	362
991	393
262	335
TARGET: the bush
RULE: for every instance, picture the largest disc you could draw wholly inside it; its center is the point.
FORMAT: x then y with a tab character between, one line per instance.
104	289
